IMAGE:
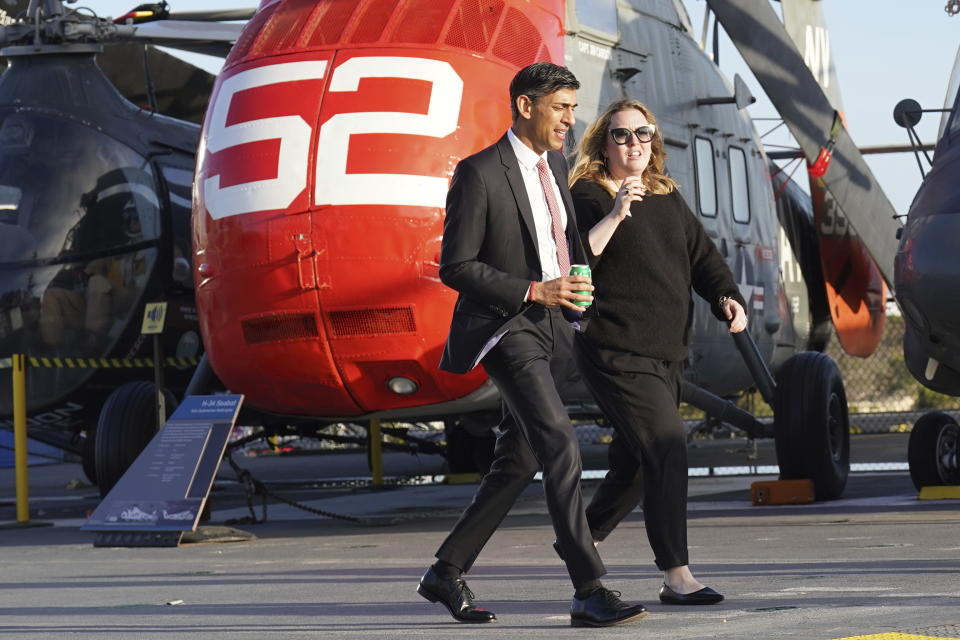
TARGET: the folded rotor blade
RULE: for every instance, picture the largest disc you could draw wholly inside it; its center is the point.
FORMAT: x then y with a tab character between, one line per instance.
767	48
212	38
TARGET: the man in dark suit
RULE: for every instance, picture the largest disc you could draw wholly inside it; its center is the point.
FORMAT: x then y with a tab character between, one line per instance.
509	239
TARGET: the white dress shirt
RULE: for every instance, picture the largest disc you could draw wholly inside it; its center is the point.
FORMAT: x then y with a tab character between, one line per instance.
546	247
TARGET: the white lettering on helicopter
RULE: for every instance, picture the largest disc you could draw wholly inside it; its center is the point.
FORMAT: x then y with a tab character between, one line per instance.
594	50
292	131
816	53
334	185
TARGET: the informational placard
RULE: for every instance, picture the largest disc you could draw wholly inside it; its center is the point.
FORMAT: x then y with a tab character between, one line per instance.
153	317
164	491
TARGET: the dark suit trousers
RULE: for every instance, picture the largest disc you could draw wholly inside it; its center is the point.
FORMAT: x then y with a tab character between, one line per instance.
540	436
648	457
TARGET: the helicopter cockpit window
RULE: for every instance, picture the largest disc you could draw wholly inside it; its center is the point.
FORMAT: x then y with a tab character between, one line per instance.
950	121
954	122
598	15
739	186
69	189
706	178
79	219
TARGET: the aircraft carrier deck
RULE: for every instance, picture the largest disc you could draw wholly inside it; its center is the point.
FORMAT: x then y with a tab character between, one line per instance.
878	563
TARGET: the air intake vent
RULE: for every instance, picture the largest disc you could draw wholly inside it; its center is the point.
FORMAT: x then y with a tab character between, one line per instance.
369	322
519	41
474	24
374	19
422	21
279	326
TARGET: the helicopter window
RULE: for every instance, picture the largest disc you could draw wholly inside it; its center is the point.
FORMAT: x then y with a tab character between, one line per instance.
706	177
739	186
598	15
954	122
66	189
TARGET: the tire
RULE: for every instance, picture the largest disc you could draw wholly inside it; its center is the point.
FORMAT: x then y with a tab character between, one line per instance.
811	425
88	455
932	452
126	425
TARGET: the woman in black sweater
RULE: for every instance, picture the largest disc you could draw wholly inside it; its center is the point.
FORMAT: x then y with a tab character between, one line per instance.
646	250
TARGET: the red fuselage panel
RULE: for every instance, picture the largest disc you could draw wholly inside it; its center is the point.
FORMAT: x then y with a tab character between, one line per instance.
318	209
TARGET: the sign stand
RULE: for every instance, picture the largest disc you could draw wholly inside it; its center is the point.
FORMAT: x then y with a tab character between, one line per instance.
164	491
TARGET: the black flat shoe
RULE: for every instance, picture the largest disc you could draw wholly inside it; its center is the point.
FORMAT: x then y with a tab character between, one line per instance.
703	596
603	608
455	595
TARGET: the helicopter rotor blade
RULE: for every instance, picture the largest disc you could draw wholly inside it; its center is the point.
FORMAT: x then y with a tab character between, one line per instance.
212	38
792	88
221	15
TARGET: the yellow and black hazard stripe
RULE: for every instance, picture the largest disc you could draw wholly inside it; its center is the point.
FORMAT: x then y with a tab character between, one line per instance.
99	363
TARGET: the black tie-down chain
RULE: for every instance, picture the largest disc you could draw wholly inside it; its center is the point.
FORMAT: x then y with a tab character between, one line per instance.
253	487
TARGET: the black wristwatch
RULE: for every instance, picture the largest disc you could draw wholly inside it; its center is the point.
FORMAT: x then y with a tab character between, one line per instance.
722	300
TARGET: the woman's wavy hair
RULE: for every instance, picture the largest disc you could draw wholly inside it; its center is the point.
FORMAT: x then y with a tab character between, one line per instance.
592	165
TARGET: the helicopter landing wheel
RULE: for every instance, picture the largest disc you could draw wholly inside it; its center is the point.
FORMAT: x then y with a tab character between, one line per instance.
127	423
932	452
88	455
811	425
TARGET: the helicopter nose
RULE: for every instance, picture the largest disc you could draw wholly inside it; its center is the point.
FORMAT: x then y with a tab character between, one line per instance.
925	272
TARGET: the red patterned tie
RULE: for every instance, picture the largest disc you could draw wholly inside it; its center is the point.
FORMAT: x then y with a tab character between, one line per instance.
559	236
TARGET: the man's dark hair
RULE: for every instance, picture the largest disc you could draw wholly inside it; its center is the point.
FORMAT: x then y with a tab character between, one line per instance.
538	80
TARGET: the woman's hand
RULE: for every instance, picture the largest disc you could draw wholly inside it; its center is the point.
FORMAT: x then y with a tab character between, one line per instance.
735	315
631	190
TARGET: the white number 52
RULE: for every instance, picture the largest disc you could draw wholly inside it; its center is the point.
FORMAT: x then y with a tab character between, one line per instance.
333	186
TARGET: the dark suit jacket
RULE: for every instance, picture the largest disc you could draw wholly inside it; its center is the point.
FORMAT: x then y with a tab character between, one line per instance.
489	252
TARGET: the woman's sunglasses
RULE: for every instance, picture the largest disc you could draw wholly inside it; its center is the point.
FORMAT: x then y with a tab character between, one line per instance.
644	134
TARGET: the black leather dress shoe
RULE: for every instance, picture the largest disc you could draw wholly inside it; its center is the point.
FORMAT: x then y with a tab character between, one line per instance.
455	595
703	596
603	608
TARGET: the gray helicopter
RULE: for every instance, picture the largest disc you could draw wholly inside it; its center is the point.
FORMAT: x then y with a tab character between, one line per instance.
770	232
927	275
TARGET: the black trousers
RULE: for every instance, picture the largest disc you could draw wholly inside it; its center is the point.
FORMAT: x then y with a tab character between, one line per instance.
640	396
540	435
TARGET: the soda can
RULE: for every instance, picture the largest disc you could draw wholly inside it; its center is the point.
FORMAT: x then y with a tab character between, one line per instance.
581	270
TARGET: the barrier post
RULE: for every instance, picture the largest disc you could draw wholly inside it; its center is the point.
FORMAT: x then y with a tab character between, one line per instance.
20	438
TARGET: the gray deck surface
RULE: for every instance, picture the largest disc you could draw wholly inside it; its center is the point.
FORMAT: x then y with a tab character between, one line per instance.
876	561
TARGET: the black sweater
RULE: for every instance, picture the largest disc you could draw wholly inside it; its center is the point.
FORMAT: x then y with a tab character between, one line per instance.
642	278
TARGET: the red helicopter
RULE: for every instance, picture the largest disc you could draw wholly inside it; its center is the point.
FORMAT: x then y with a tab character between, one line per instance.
325	155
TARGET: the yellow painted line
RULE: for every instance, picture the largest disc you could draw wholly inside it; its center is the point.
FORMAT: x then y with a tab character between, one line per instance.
939	493
897	636
462	478
69	362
